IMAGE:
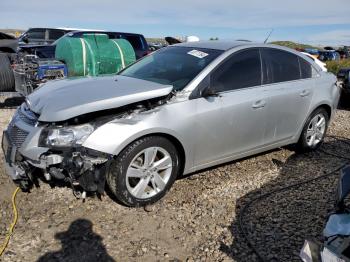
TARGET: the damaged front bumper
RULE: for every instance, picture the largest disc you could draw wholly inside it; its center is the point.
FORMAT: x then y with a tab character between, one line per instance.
83	169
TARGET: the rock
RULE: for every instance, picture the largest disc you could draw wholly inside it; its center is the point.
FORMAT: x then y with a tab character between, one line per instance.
149	208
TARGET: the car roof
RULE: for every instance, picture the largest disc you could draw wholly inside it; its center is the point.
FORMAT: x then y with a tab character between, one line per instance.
216	44
66	29
78	30
227	45
103	32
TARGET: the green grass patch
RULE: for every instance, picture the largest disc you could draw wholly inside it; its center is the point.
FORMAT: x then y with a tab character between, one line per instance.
293	45
334	66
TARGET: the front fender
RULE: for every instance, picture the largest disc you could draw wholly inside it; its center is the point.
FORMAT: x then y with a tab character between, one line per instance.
114	136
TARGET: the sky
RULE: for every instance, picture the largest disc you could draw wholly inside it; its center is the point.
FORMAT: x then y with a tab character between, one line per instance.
320	22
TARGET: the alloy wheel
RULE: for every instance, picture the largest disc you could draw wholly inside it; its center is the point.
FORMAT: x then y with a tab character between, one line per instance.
316	130
149	172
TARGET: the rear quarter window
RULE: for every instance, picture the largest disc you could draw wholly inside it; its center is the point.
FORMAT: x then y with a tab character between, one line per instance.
55	34
135	41
305	68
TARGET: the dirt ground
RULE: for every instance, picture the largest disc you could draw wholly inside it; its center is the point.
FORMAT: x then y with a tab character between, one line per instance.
196	221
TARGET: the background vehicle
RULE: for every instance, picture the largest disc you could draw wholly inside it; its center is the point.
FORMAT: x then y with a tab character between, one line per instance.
312	51
8	43
329	48
36	64
344	52
8	47
138	42
181	109
343	77
35	38
192	38
172	40
346	49
42	36
39	43
329	55
154	46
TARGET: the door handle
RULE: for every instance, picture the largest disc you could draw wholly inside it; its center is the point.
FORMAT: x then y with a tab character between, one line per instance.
259	104
304	93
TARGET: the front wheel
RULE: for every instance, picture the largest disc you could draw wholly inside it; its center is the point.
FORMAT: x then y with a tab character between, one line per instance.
314	131
144	171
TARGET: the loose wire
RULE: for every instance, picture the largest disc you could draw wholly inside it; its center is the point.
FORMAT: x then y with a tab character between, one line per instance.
15	218
241	214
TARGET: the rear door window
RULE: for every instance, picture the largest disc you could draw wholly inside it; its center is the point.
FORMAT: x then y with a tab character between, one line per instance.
54	34
241	70
279	66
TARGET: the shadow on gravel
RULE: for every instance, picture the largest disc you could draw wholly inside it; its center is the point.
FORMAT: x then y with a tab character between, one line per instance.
12	102
278	225
79	243
344	102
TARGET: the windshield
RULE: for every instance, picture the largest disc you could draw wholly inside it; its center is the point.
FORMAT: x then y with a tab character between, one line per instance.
175	66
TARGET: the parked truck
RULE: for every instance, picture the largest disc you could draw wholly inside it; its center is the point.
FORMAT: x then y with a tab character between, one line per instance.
77	54
10	46
33	56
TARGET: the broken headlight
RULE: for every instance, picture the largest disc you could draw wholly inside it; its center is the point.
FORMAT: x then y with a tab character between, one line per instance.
67	136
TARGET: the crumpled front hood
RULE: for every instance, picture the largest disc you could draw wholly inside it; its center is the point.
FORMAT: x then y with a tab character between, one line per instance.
63	99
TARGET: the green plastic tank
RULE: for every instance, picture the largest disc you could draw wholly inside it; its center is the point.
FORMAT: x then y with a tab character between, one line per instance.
94	54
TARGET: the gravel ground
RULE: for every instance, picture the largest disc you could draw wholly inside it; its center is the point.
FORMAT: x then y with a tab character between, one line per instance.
196	221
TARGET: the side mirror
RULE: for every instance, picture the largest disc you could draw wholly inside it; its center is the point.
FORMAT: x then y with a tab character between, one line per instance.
209	92
343	186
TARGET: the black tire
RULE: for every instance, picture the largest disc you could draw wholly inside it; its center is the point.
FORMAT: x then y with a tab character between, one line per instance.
7	79
116	175
302	145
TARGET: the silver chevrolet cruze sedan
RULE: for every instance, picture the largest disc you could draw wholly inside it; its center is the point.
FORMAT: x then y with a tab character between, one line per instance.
181	109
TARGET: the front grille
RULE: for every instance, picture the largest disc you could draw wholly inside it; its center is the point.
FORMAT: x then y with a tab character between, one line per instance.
21	124
17	135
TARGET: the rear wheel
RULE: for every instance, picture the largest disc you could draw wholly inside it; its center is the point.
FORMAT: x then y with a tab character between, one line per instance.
314	131
144	171
7	80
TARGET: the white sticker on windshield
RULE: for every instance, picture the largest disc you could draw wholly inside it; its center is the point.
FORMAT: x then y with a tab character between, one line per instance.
197	53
